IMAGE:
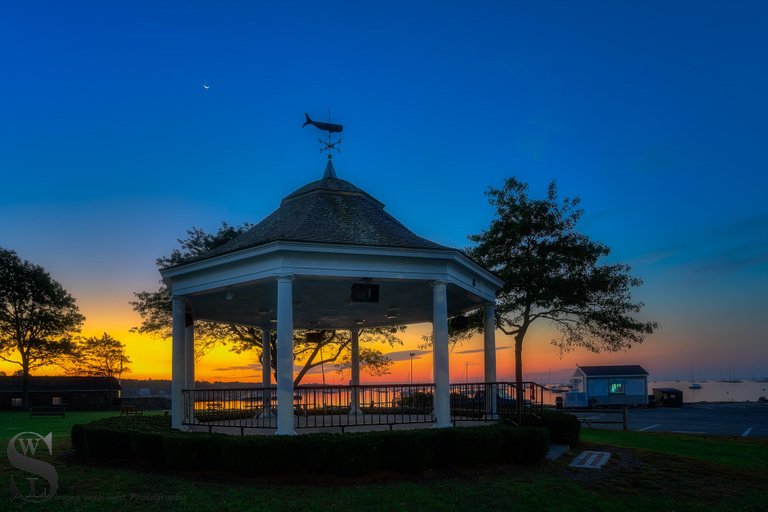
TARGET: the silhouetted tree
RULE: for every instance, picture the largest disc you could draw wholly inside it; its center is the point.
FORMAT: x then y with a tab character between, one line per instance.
98	357
552	272
372	362
311	348
37	317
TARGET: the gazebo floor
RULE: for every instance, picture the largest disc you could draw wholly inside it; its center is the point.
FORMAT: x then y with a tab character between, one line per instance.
333	425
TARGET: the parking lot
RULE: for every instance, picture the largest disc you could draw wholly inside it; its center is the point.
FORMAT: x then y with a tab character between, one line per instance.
730	419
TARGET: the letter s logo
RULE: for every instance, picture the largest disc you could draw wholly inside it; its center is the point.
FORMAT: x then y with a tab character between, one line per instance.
29	441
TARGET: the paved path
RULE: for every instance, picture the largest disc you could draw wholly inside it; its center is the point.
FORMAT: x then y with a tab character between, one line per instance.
749	420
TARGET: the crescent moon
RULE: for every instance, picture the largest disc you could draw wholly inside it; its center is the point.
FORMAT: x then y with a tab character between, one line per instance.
206	86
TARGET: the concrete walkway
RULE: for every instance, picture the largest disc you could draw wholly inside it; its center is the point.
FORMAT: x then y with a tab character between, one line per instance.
557	450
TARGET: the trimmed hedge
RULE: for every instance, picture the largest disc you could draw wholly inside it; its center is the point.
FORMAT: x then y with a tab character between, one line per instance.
563	428
150	442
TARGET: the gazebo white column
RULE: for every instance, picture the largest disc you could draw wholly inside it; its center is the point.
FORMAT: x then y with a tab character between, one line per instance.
189	351
354	406
489	353
266	371
285	355
189	360
178	362
442	398
266	359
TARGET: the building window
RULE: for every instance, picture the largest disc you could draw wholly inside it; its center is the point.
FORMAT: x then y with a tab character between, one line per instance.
56	400
617	387
16	402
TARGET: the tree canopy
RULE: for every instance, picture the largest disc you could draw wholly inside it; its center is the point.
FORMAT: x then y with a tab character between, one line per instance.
552	272
98	357
312	349
37	316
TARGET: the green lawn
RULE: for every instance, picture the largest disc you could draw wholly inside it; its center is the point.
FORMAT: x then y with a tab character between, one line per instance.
11	423
738	453
646	472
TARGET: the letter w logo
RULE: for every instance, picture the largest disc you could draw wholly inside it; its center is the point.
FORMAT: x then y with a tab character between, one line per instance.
28	445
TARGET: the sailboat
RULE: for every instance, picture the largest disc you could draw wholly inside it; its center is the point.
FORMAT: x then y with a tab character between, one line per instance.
694	384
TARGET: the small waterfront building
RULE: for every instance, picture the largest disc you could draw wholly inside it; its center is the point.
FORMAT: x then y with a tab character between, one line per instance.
73	393
608	385
668	397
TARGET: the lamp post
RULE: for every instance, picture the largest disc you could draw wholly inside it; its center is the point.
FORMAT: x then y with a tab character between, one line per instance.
410	376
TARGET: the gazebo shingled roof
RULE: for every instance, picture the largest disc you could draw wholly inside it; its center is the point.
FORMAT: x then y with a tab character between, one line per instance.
329	210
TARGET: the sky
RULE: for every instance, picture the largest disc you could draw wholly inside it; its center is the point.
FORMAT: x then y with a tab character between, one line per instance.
652	112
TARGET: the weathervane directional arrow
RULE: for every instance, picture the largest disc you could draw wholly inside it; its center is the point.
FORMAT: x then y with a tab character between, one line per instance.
329	127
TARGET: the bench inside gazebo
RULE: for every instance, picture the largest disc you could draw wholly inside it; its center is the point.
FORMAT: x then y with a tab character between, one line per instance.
331	258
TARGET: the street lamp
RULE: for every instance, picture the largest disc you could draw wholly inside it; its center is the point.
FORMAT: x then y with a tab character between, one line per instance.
410	376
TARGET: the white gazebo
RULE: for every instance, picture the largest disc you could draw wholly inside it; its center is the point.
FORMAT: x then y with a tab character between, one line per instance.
329	257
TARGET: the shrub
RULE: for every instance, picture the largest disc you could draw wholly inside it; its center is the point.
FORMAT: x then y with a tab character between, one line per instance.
563	428
152	443
119	438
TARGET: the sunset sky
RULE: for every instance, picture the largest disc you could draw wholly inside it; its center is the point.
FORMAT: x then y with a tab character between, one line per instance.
653	112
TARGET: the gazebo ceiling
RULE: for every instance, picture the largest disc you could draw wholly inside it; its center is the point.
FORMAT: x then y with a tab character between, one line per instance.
326	303
329	235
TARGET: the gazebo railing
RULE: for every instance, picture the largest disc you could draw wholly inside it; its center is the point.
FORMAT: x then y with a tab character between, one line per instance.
469	401
318	406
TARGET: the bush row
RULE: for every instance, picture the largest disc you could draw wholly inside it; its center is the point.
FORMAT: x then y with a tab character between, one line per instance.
563	428
150	443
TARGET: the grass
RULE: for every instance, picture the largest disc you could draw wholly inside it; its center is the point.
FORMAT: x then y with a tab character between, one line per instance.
11	423
744	454
646	472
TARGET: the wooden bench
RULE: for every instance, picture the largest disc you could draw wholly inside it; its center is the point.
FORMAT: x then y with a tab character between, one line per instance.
47	410
130	410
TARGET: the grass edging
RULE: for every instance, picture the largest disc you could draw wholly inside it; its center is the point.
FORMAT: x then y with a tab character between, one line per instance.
150	442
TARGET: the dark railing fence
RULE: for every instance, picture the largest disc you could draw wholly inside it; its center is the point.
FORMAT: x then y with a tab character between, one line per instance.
351	406
484	401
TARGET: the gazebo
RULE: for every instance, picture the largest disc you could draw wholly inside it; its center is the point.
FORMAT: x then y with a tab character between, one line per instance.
330	257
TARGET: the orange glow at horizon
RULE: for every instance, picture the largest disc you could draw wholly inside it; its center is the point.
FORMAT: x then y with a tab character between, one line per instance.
151	357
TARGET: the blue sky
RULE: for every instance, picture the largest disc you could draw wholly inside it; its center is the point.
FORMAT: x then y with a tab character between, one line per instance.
652	112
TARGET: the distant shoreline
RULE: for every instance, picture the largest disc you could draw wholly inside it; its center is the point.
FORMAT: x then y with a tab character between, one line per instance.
726	402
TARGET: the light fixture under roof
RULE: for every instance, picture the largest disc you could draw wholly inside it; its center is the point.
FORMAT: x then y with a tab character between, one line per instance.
229	295
359	322
392	314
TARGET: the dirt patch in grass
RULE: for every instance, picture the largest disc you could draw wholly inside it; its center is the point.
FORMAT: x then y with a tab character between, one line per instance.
634	472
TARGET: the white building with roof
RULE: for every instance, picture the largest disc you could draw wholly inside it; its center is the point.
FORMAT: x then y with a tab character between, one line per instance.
608	385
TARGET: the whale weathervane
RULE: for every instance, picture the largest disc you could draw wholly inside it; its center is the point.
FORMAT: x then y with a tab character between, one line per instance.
328	127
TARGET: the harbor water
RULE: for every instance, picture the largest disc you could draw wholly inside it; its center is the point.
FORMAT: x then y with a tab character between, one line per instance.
715	391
